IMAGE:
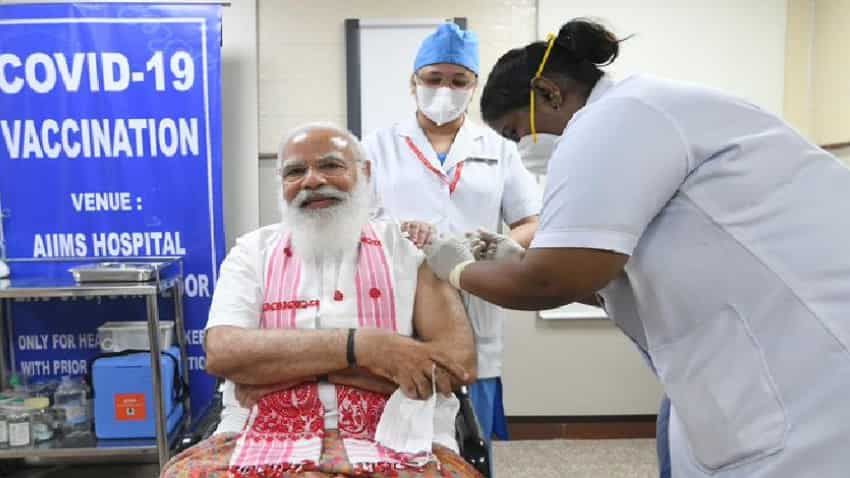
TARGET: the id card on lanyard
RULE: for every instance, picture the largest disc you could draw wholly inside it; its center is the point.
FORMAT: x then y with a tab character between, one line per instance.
430	167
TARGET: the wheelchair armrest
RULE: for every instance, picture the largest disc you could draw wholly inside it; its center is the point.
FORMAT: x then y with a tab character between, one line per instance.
473	447
203	428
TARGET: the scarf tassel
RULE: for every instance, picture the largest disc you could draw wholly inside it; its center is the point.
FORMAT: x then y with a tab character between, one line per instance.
393	468
270	437
272	471
360	469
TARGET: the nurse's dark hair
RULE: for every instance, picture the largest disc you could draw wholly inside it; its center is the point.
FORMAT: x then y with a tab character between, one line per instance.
582	46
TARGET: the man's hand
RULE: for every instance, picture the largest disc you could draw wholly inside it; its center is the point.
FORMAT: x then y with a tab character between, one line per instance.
445	384
249	395
419	233
446	253
492	246
405	361
361	378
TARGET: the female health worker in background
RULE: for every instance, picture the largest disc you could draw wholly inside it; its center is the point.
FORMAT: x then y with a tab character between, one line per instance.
713	234
439	168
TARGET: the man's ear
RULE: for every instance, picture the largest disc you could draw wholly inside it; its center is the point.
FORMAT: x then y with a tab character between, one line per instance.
548	91
367	169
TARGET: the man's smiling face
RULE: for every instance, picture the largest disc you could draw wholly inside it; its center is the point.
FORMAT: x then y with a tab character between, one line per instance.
319	169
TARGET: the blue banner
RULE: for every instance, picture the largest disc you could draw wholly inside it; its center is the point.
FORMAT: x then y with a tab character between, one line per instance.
110	146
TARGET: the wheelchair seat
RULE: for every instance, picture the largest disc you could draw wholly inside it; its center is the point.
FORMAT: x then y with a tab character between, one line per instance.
470	441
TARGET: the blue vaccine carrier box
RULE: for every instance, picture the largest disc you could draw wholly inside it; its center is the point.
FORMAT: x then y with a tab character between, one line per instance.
124	405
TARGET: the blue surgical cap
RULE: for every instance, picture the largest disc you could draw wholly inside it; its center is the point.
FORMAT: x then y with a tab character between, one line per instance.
449	44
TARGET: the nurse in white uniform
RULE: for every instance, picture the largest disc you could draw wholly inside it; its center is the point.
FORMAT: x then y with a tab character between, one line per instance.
440	168
713	234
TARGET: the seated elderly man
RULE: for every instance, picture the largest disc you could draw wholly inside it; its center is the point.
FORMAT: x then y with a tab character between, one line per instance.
316	321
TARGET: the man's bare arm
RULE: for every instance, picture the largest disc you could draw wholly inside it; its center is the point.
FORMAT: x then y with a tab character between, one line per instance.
440	321
361	378
273	356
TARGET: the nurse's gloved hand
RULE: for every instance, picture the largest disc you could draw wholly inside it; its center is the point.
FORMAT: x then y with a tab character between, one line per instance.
446	253
493	246
476	245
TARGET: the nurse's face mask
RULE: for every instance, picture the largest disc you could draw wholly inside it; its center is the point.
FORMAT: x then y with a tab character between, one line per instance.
535	154
443	96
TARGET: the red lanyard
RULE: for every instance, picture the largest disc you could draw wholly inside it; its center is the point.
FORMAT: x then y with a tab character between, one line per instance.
422	159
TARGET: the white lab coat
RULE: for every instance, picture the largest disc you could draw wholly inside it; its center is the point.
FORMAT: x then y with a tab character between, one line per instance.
738	284
494	187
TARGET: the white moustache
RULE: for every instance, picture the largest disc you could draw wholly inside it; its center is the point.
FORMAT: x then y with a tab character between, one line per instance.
324	192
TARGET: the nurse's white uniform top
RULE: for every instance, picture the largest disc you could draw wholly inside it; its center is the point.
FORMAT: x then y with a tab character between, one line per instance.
490	186
738	285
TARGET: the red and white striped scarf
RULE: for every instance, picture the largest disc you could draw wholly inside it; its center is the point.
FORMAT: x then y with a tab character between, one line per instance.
285	429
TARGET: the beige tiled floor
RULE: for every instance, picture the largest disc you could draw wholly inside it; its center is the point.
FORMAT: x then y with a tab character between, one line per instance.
575	459
518	459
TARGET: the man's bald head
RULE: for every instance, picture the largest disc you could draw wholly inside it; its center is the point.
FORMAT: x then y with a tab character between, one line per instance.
322	133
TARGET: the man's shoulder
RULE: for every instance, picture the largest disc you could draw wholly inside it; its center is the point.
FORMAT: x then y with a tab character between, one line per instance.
395	242
261	238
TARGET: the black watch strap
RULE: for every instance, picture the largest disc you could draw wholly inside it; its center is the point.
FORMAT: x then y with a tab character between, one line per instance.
349	349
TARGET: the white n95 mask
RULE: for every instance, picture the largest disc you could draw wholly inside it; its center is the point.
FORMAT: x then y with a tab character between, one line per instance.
442	105
413	426
535	156
407	425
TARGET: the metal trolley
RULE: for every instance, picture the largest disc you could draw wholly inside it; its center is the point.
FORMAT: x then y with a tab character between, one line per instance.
51	278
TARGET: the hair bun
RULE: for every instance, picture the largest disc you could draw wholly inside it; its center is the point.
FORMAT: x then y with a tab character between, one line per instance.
586	40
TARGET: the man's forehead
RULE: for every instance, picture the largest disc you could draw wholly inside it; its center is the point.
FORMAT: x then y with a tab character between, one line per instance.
319	143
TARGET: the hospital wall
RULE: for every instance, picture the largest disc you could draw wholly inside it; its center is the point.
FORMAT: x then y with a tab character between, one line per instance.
817	96
830	91
240	119
799	45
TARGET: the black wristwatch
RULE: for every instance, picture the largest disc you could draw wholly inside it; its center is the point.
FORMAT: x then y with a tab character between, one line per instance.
349	349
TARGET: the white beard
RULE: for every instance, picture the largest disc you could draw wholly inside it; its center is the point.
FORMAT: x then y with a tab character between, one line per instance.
328	232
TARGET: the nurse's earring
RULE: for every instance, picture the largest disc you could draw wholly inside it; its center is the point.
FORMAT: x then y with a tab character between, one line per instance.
555	100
